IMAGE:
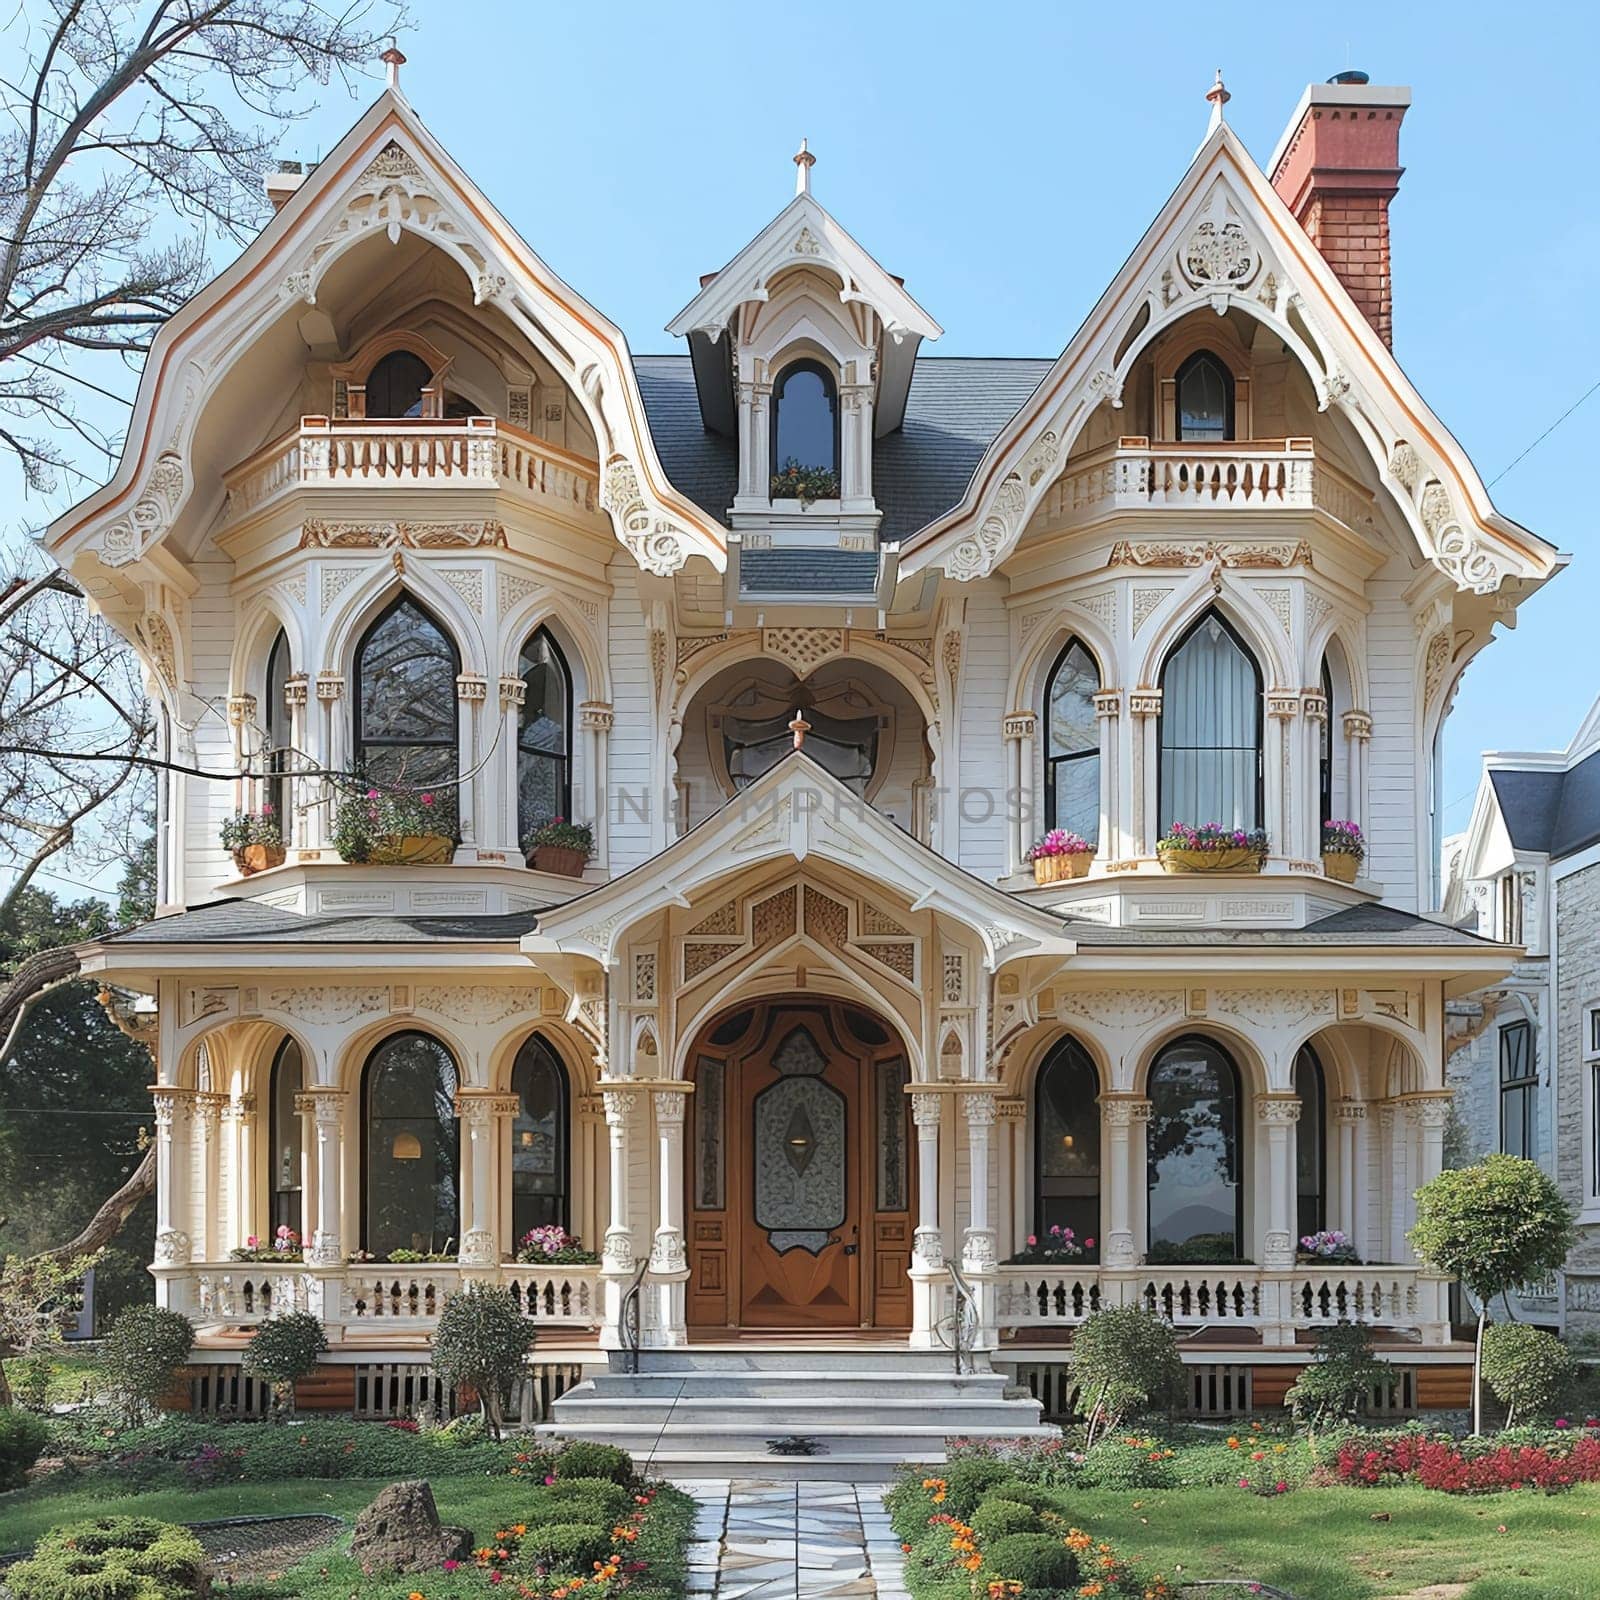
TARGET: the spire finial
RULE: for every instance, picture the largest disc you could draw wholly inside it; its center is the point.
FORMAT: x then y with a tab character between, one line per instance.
1218	95
393	59
804	161
799	727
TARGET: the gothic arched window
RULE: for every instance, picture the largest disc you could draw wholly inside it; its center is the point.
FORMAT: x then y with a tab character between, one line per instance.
544	735
805	420
1210	740
395	385
1325	750
285	1184
279	731
1311	1144
411	1149
405	702
1196	1199
1066	1130
1205	399
1072	744
539	1155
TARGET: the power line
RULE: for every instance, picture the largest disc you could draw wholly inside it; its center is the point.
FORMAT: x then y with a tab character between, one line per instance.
1547	432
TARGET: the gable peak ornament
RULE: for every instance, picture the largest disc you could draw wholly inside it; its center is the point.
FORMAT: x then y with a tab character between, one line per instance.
393	60
804	161
1217	95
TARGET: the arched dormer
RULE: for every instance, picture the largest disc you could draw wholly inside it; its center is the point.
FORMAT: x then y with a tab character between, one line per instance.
1201	382
399	373
805	428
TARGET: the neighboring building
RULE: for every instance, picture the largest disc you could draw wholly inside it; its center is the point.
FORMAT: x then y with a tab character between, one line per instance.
1527	1069
806	1032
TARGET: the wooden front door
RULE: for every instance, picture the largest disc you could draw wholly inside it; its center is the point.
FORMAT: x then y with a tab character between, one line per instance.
799	1187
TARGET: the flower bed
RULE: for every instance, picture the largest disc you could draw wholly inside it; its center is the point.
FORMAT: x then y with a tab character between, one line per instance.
1548	1459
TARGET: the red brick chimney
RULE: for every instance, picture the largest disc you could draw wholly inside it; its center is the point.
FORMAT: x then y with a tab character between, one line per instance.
1337	167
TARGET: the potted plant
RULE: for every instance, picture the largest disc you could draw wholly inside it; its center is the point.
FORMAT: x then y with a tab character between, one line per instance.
805	484
1059	1245
394	827
255	840
553	1246
1328	1247
285	1246
1343	850
1211	848
559	846
1059	854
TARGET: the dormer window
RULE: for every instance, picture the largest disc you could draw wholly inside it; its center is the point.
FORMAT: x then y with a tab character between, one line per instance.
395	385
1205	400
805	432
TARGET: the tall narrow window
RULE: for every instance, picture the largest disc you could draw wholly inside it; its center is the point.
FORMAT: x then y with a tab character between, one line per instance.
1066	1124
1311	1144
280	735
544	735
405	702
1519	1089
1325	748
1591	1057
285	1183
805	421
1072	745
1196	1200
395	385
411	1154
1205	399
1210	742
538	1140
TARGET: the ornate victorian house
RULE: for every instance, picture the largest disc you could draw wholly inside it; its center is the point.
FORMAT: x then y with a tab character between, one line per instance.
806	1035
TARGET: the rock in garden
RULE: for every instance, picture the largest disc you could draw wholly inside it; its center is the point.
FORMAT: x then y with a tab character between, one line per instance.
401	1532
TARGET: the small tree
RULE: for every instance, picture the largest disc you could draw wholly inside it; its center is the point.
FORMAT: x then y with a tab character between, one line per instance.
481	1340
39	1297
1340	1380
1125	1359
141	1355
1526	1368
282	1351
1493	1225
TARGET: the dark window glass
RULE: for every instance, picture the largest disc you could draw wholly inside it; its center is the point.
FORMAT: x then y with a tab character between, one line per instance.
539	1161
544	735
1066	1125
1205	399
1193	1164
805	418
412	1149
279	734
395	385
288	1080
1210	756
845	745
1311	1144
1325	748
1072	745
1519	1087
406	671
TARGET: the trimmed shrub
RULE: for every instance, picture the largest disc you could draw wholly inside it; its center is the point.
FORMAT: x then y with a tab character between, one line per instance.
481	1341
996	1517
1528	1369
112	1558
1128	1463
1125	1360
141	1355
567	1547
608	1500
583	1458
1035	1560
967	1479
285	1349
23	1437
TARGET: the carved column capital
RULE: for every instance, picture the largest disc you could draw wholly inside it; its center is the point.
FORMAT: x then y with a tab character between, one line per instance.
1349	1111
925	1110
1314	703
980	1109
330	686
619	1107
1145	702
172	1106
1282	704
1108	703
595	714
513	692
1124	1110
325	1104
670	1104
1280	1108
1018	725
1357	724
241	710
472	688
296	691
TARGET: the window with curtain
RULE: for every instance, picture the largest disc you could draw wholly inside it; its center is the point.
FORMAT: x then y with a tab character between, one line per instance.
1205	399
1072	744
279	730
1066	1167
405	701
1196	1199
805	418
1311	1144
288	1080
411	1152
395	385
539	1158
544	735
1210	739
1519	1089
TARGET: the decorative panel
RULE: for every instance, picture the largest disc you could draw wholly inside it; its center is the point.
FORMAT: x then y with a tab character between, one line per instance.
709	1176
892	1077
799	1148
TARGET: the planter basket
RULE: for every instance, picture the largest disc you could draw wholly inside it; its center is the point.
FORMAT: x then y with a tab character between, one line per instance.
1054	869
1340	866
412	850
559	859
253	858
1210	860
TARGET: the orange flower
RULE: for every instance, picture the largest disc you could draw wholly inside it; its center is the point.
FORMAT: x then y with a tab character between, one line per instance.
1233	1441
1089	1590
1077	1539
416	1594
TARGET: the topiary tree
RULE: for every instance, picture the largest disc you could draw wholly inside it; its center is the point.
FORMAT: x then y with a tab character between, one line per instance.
1125	1359
282	1351
1493	1225
140	1358
481	1340
132	1558
1339	1382
1527	1368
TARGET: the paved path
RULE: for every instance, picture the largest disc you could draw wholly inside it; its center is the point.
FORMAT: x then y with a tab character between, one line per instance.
757	1540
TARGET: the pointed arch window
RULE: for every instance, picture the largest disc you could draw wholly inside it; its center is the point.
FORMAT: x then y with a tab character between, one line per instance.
411	1147
1325	750
395	384
1205	399
1072	744
1210	739
1196	1199
286	1184
540	1160
805	420
1311	1143
1066	1128
279	731
544	734
405	701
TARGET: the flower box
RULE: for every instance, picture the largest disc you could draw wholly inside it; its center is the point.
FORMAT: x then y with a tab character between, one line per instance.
411	850
560	847
1340	867
1056	869
1344	848
559	859
1174	860
394	827
250	859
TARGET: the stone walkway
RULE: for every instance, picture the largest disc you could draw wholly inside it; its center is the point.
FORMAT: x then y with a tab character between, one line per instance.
757	1540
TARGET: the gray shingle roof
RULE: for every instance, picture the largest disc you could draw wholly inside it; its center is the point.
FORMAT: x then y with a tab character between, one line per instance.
1356	925
1554	812
808	571
247	921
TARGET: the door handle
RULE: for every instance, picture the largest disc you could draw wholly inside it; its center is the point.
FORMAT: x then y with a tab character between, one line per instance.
850	1249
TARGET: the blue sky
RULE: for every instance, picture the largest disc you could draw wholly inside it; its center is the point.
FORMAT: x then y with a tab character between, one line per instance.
1006	158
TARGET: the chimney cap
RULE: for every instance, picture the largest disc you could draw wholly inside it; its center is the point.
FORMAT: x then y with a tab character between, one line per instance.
1350	75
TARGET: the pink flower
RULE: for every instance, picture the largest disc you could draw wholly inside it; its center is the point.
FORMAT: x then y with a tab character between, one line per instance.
451	1564
427	799
1088	1244
1561	1422
549	1478
1032	1239
1244	1483
253	1243
1280	1487
372	794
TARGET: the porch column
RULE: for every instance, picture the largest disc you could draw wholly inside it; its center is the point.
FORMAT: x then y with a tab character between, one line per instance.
595	717
617	1265
327	1126
1018	731
173	1247
208	1221
1392	1163
1282	738
1108	713
1145	706
305	826
1432	1115
333	739
927	1256
1278	1114
1348	1116
1358	740
669	1261
977	1247
1016	1219
1120	1115
472	809
480	1243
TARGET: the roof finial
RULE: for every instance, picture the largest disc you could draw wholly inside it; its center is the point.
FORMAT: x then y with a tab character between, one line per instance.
1218	95
799	727
804	161
394	61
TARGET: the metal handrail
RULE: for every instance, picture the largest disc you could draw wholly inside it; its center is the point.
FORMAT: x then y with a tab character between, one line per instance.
963	1333
629	1330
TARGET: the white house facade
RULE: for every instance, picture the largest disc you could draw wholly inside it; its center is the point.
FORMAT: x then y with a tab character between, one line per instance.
817	631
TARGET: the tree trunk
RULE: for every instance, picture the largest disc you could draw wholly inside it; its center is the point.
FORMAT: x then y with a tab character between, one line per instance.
108	1221
1477	1367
